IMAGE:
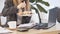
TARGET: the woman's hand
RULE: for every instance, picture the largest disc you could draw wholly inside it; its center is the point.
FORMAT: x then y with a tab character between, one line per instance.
21	5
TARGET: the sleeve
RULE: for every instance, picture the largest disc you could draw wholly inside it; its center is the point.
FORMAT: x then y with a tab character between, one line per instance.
9	8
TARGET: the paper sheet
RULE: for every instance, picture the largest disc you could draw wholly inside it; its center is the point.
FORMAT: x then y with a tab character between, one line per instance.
3	30
25	25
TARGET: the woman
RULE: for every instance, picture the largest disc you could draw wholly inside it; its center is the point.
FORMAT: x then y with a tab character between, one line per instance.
11	9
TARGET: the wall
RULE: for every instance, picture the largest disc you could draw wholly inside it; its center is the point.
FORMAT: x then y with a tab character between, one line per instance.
1	5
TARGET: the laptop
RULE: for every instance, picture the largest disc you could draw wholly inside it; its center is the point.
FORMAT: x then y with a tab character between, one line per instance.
51	20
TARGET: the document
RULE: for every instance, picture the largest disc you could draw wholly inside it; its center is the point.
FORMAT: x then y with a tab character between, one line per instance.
4	30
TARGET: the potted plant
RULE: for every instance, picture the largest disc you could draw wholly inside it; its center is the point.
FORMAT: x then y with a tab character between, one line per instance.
39	7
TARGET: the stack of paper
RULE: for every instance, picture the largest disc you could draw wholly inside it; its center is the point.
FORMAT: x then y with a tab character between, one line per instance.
3	30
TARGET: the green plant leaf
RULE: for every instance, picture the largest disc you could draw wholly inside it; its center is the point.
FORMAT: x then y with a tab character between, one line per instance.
32	1
46	3
38	0
34	9
43	2
41	8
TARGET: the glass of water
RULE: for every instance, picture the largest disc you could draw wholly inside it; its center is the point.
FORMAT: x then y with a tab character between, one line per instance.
3	20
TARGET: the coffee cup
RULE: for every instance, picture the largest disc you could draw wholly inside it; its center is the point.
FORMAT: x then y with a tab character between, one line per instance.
12	24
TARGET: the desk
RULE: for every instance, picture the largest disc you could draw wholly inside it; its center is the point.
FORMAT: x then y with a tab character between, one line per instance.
53	30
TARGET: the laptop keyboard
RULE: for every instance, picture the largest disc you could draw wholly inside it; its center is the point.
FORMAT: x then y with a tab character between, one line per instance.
44	25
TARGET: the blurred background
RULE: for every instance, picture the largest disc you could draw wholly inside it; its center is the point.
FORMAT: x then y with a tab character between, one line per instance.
44	16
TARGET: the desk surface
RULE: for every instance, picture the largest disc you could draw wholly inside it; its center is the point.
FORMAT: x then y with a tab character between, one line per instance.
53	30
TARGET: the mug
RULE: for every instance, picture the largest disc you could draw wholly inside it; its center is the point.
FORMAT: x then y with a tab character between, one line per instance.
12	24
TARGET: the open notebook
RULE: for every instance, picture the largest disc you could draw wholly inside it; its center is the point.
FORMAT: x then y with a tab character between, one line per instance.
4	30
